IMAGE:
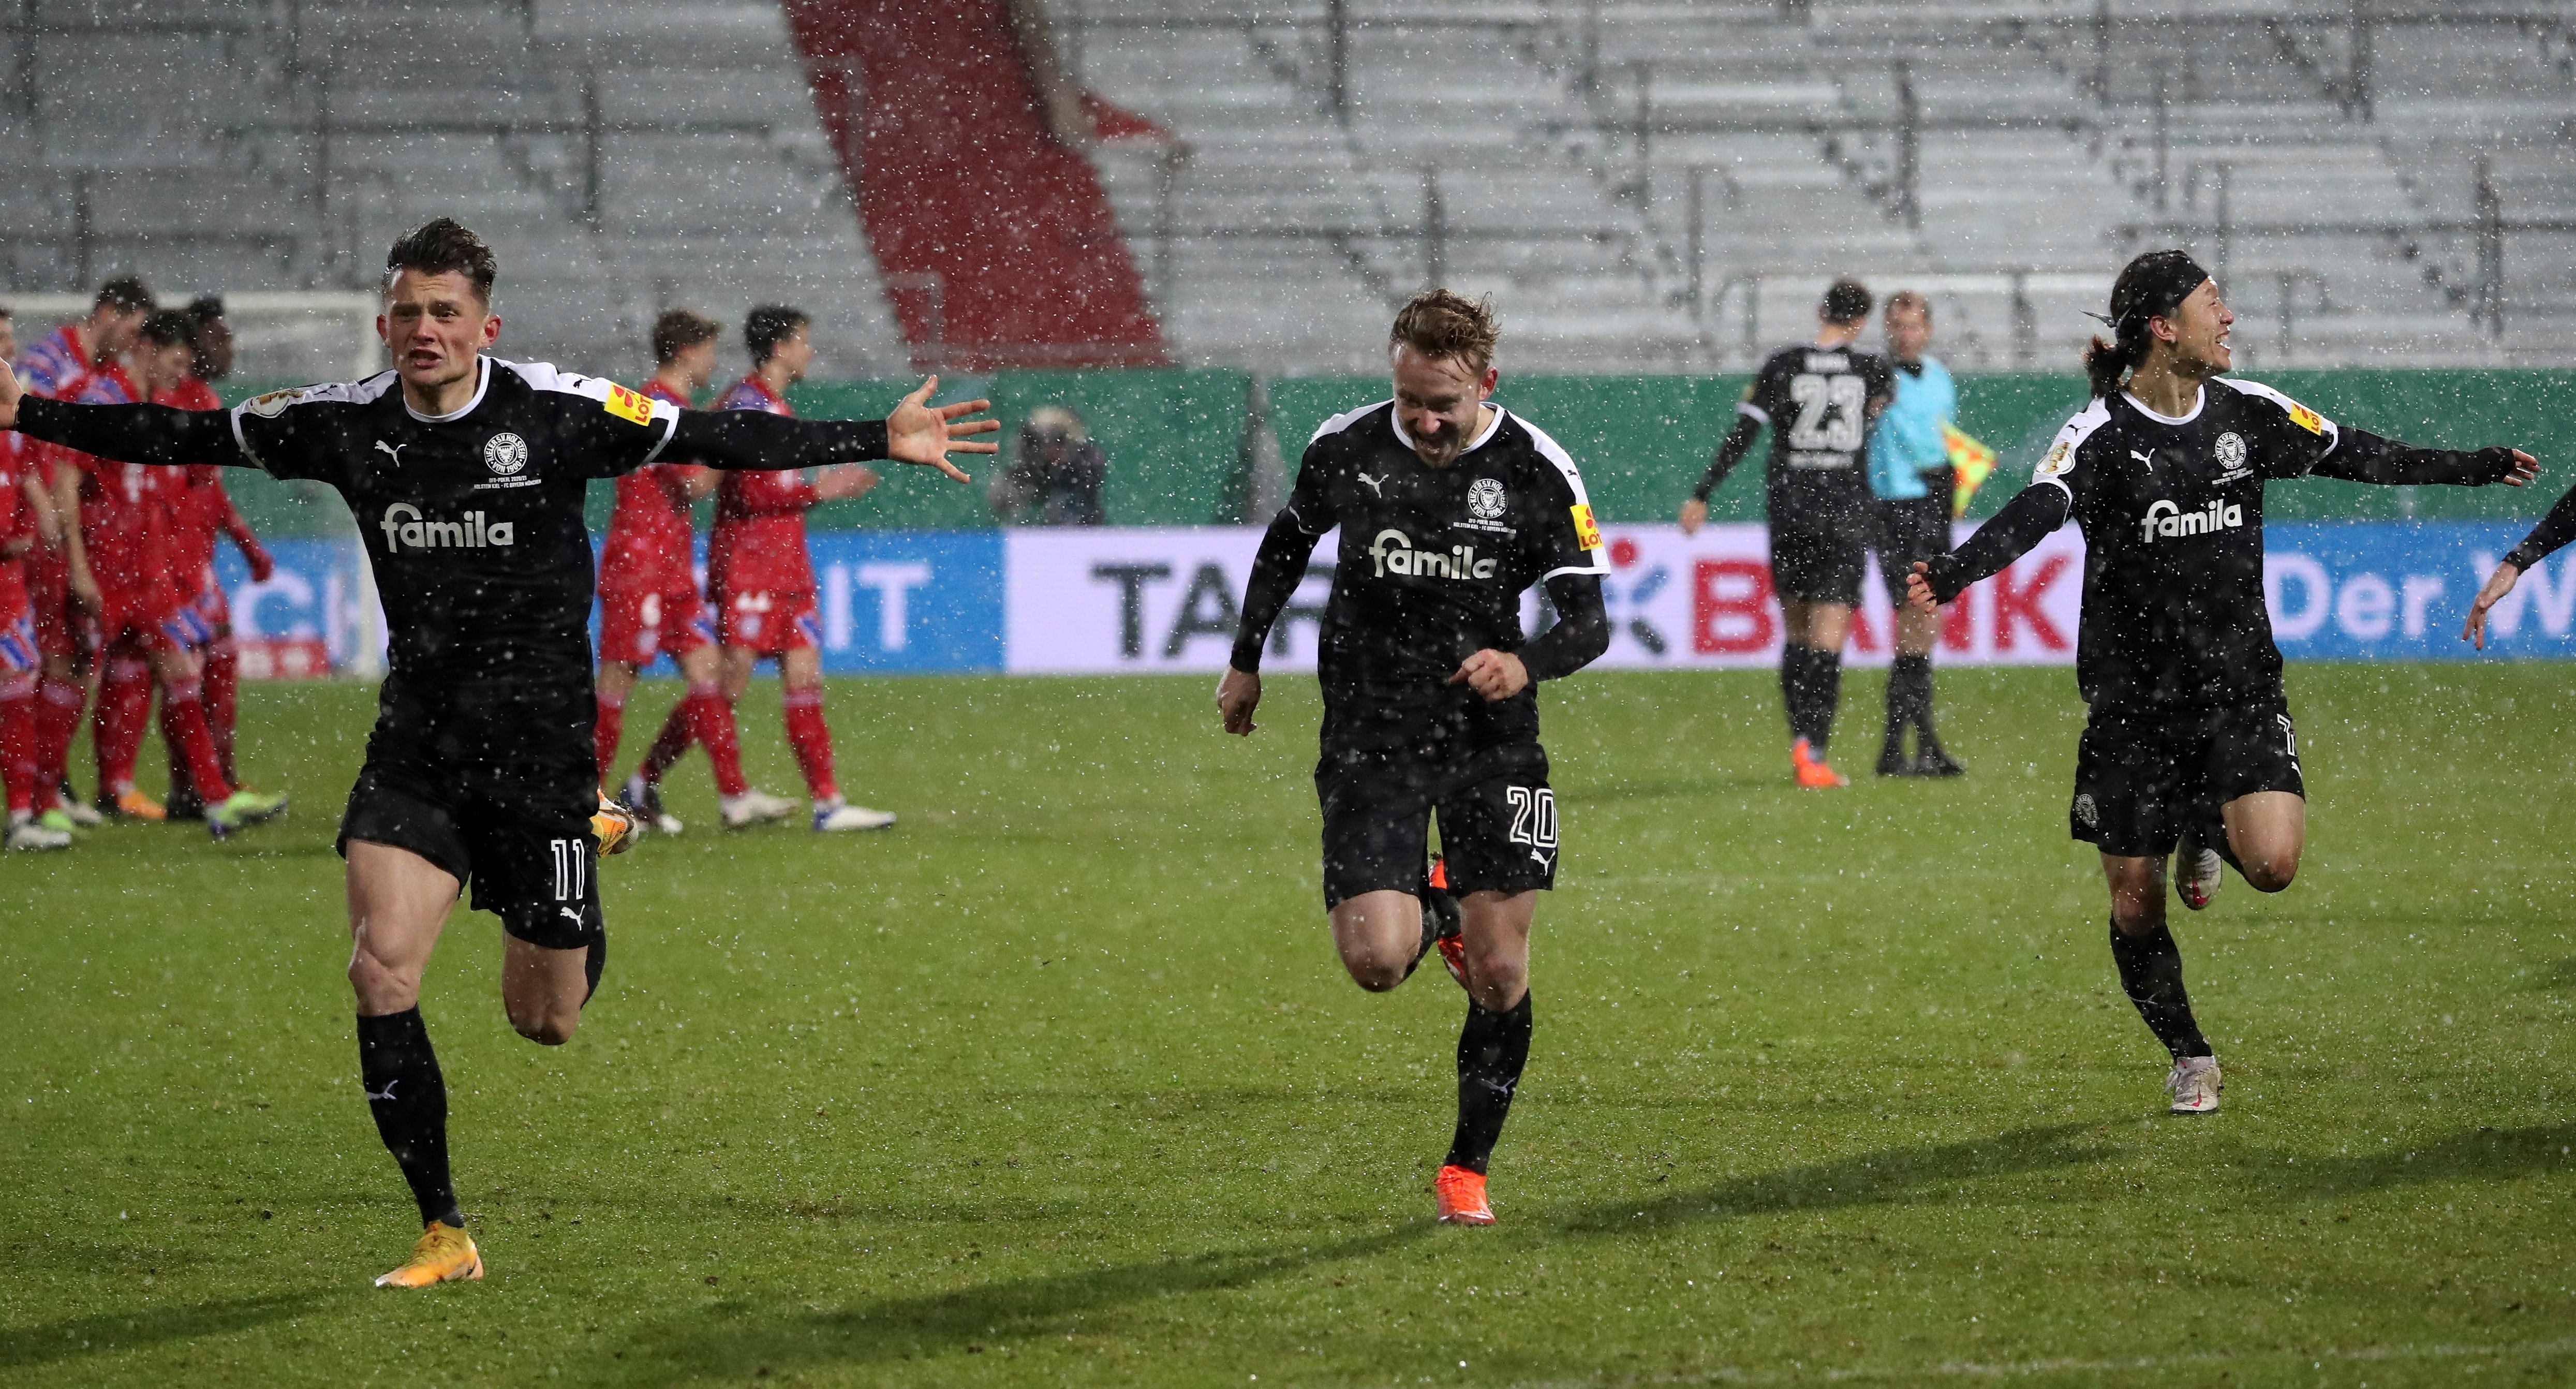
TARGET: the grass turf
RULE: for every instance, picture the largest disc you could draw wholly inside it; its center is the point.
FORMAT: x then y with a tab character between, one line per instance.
1058	1082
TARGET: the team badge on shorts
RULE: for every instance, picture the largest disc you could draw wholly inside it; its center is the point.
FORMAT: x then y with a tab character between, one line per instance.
2086	812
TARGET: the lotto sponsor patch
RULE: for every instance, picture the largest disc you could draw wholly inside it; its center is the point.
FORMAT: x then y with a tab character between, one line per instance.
629	406
1587	532
2306	418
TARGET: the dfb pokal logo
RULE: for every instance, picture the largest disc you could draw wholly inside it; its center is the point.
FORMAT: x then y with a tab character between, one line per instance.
505	454
1485	499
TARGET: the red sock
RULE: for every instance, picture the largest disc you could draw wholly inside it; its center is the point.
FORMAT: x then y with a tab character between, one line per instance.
711	719
669	743
58	712
606	729
186	713
181	784
124	711
223	700
18	743
811	740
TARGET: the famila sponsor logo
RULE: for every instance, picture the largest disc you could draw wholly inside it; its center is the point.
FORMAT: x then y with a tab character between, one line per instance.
1393	553
405	529
2165	518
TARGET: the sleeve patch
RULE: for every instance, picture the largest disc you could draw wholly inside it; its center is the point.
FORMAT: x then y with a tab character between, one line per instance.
629	406
273	404
2306	418
2061	458
1586	532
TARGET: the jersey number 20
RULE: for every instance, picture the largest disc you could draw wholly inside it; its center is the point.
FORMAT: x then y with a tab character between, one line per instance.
1829	411
1533	815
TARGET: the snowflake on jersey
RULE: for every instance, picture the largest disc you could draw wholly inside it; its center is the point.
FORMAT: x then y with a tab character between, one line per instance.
2172	515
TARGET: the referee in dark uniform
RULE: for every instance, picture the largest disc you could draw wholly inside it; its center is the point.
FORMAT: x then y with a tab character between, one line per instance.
466	475
1450	508
2188	746
1818	401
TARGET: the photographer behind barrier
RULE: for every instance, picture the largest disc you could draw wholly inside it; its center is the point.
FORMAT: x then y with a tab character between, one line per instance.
1055	475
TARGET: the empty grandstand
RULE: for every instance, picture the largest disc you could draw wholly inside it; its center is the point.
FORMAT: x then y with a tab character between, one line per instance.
1644	184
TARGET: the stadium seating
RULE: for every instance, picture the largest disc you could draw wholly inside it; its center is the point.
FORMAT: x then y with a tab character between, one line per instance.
1643	184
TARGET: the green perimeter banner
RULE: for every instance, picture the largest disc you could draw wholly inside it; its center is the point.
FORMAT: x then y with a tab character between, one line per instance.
1178	442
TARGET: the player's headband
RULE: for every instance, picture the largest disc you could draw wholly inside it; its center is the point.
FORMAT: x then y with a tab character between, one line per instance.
2152	286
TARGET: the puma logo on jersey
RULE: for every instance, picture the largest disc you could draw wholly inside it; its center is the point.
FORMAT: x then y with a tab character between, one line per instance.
1393	553
1376	485
392	451
406	530
389	1089
2165	518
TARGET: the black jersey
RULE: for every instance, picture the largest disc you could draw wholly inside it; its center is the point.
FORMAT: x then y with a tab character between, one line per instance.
1818	403
2172	514
473	524
1434	560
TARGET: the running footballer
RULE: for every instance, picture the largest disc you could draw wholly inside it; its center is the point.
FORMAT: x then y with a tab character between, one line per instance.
1450	508
467	474
2189	749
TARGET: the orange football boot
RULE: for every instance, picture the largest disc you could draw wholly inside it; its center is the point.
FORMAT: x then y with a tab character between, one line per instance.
445	1254
1462	1197
1813	774
134	805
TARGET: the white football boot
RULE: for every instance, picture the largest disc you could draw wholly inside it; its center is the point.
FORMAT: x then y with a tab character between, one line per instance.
26	836
646	798
2197	870
753	807
837	814
2194	1085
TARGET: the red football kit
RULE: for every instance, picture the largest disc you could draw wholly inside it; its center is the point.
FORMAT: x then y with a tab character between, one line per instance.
757	567
17	526
126	511
648	593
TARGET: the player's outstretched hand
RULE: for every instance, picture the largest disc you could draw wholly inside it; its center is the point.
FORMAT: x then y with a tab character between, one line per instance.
10	391
1238	693
1694	516
925	434
1497	675
2525	468
2498	584
1918	590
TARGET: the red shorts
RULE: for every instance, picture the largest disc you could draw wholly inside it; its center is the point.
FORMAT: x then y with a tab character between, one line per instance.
771	624
637	623
152	616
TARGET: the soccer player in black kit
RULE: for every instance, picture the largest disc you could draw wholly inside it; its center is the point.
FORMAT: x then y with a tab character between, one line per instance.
1450	508
2188	749
1818	401
466	474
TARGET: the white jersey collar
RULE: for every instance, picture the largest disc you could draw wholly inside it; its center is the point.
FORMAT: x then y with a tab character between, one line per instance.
2199	399
482	383
1483	436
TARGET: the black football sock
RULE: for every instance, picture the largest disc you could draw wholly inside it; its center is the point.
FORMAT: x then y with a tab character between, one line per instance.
1825	684
1909	701
1793	687
409	1100
593	963
2151	974
1492	1048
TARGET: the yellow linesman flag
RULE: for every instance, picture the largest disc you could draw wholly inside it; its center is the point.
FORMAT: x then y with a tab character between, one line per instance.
1970	462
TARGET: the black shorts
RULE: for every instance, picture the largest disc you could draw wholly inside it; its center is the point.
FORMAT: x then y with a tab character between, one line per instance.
526	844
1818	562
1498	828
2140	778
1902	533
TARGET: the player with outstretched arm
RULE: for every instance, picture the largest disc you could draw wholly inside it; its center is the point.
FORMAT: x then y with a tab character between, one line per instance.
2188	747
467	475
1450	508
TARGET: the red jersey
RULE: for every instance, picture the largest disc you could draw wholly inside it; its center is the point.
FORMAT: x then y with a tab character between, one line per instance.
17	519
124	507
648	535
198	507
759	541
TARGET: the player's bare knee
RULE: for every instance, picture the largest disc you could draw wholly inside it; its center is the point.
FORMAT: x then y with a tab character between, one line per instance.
545	1024
1372	972
380	987
2271	873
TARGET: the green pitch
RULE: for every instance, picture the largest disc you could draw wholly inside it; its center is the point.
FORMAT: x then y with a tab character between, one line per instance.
1059	1082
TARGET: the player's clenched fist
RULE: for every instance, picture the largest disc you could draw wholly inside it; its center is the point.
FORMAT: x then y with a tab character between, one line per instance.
1497	675
1238	693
